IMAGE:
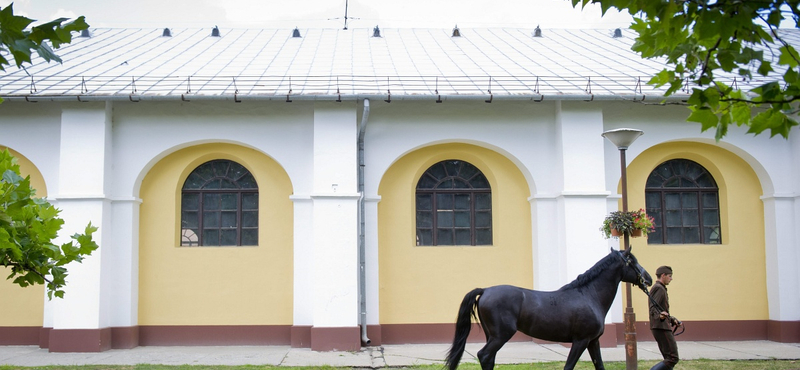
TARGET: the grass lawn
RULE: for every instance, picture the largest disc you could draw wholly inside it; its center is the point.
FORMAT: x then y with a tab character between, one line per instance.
583	365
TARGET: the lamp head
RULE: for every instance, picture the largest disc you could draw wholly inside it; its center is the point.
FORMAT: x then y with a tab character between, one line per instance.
622	137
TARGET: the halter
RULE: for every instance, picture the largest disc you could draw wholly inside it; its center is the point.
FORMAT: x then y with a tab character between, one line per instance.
642	285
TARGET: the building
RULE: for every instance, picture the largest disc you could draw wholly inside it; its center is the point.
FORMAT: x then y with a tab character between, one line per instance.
255	137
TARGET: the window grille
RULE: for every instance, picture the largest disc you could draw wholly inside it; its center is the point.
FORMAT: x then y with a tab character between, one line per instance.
454	205
219	206
683	199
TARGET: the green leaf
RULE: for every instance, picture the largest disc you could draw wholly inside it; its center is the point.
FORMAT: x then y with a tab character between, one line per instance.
662	78
47	54
726	60
791	76
704	116
12	177
27	227
775	17
698	98
789	56
765	68
741	113
21	43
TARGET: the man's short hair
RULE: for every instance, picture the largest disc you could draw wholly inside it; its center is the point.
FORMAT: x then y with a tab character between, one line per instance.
663	270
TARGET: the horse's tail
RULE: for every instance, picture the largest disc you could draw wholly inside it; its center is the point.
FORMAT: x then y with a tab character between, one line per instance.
463	324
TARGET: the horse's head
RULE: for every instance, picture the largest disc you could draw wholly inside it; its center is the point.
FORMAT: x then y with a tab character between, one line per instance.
633	272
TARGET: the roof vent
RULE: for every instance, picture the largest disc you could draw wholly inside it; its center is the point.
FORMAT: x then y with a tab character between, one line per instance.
85	33
537	32
456	32
215	32
296	33
376	32
617	33
167	33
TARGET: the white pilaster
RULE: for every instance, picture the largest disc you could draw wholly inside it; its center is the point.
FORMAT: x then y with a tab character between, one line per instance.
582	204
335	215
372	261
303	310
548	231
84	175
782	257
123	263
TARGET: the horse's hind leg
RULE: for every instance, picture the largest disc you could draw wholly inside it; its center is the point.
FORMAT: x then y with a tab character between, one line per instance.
493	344
575	353
594	352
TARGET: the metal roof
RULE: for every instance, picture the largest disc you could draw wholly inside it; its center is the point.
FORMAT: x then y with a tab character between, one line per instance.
500	63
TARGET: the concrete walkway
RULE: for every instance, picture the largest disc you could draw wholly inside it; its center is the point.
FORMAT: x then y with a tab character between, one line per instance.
381	356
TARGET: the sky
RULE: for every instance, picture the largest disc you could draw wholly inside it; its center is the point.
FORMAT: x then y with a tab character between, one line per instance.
322	13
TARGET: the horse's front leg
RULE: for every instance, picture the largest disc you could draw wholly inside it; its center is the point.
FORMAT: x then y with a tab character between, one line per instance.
578	346
594	352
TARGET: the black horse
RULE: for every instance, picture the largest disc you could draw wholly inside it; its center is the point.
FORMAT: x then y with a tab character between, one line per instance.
575	313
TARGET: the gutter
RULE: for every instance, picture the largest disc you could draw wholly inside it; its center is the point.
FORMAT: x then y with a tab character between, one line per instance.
34	98
362	248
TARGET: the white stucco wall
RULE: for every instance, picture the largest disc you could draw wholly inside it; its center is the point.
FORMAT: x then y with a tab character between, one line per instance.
316	145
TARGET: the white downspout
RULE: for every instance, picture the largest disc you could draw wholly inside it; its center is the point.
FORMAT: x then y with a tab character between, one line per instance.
362	272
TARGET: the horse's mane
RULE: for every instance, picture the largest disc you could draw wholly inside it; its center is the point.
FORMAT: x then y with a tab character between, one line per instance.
587	277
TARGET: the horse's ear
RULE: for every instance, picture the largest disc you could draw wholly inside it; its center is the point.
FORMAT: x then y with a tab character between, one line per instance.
628	251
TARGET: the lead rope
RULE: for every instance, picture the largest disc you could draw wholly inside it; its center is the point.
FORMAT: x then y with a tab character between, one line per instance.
672	319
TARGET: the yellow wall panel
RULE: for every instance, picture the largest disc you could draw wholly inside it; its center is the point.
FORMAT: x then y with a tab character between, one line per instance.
426	284
214	285
711	281
23	306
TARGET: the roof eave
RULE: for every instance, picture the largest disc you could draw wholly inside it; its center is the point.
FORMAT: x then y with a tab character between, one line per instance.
353	97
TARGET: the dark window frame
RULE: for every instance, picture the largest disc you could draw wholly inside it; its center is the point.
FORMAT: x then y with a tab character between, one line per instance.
217	179
683	199
444	186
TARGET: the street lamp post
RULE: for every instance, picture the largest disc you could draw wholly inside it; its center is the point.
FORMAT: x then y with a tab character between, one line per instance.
623	138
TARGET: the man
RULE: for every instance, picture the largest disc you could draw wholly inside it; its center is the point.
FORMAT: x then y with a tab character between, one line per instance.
661	322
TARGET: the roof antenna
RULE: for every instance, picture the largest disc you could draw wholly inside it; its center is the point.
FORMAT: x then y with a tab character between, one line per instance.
346	3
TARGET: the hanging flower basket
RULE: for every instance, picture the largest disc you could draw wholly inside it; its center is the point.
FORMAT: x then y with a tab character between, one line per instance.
635	223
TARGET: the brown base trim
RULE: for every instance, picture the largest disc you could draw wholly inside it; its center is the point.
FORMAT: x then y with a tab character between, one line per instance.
80	340
222	335
124	337
44	337
611	336
713	330
783	331
301	336
349	338
19	335
375	335
444	333
433	333
346	338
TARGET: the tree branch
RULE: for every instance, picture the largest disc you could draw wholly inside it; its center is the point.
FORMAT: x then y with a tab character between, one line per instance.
25	268
775	35
708	56
782	101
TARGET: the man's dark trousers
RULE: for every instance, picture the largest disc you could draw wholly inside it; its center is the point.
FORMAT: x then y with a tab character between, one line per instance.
667	346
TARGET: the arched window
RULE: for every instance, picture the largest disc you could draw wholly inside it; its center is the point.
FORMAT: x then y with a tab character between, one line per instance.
683	199
454	205
219	206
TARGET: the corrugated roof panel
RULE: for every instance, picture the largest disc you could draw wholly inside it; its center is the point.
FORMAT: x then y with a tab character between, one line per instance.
324	61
